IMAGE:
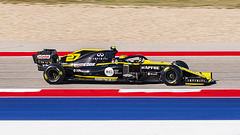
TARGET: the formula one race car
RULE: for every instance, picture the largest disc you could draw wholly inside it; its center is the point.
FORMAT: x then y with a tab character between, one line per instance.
103	65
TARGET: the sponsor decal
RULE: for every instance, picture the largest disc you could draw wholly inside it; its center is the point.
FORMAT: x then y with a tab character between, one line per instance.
100	58
109	71
82	71
166	69
116	71
151	67
152	73
43	56
83	64
109	80
60	73
45	76
100	54
72	57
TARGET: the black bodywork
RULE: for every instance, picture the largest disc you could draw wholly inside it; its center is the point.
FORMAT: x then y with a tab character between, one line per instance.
103	65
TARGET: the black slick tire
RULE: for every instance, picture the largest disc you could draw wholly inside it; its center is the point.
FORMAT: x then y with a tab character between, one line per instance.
172	75
54	74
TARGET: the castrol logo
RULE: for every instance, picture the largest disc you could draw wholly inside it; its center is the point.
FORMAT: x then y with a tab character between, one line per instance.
43	56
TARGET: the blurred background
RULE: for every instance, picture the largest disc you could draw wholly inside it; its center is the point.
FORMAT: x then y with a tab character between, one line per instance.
131	25
102	21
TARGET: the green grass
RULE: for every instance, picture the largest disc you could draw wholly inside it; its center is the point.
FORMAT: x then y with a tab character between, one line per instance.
174	3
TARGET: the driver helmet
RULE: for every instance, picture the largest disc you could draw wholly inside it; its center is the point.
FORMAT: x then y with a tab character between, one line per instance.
122	56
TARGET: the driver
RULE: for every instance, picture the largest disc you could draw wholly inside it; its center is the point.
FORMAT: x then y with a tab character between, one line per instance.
122	58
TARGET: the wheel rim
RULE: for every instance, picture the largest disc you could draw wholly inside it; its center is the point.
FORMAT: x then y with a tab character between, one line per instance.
171	76
53	74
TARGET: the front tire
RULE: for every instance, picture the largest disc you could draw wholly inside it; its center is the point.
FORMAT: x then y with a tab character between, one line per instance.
181	64
171	75
54	74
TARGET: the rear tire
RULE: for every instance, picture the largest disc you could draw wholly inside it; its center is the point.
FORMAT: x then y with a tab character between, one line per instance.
172	75
54	74
181	64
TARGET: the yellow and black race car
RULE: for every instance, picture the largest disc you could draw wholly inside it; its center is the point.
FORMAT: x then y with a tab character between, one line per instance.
103	65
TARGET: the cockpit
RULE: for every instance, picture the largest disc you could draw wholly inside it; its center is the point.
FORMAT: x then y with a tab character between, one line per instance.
132	58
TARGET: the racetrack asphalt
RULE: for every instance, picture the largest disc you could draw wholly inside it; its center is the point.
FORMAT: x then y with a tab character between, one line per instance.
21	72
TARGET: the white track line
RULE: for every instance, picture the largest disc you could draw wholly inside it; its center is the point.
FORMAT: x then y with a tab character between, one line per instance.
20	90
158	90
120	90
157	127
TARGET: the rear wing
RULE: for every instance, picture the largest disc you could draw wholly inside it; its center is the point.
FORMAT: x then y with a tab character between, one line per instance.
45	57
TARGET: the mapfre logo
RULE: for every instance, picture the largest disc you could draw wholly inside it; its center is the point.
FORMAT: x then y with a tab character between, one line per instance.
151	67
100	54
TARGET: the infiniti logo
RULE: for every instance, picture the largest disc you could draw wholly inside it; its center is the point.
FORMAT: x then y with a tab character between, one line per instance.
100	54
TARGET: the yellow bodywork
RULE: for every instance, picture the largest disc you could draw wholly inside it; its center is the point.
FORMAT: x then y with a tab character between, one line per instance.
100	77
194	84
95	50
72	57
148	62
206	75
